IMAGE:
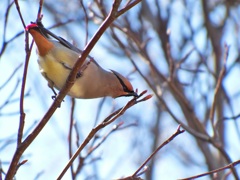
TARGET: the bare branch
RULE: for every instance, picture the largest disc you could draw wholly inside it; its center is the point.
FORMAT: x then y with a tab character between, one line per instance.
70	134
218	86
106	122
70	81
229	166
138	172
19	13
22	113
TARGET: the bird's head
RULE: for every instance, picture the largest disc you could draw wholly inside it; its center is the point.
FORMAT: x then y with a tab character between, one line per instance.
40	37
31	26
37	27
126	86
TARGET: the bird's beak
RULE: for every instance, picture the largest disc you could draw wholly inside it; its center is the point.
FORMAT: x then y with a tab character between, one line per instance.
134	94
130	94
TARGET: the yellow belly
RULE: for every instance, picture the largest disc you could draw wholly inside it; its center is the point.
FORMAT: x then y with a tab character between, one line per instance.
53	70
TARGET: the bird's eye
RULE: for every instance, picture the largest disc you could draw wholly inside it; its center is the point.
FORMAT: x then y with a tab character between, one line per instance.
125	88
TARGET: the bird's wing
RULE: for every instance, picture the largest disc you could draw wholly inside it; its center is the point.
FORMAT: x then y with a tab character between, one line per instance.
65	43
68	45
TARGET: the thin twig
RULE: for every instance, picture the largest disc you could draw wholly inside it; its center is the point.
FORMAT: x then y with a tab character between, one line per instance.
143	167
105	122
8	99
170	62
11	76
198	134
93	148
100	105
39	14
86	21
127	7
114	128
19	13
218	87
22	113
4	44
70	134
230	118
179	131
213	171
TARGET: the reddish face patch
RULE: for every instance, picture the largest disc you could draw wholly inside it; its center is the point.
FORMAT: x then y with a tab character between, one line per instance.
30	26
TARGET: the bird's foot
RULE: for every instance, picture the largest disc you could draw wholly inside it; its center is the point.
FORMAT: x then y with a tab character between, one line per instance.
82	69
54	97
79	74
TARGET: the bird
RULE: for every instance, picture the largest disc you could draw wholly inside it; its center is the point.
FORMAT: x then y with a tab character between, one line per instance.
56	59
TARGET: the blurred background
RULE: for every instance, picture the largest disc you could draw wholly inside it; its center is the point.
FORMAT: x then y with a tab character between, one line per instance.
184	52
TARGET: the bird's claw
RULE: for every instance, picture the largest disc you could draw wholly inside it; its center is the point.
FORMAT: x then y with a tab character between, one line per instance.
79	74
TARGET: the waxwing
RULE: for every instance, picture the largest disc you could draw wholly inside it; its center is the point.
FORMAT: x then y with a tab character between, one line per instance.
56	58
